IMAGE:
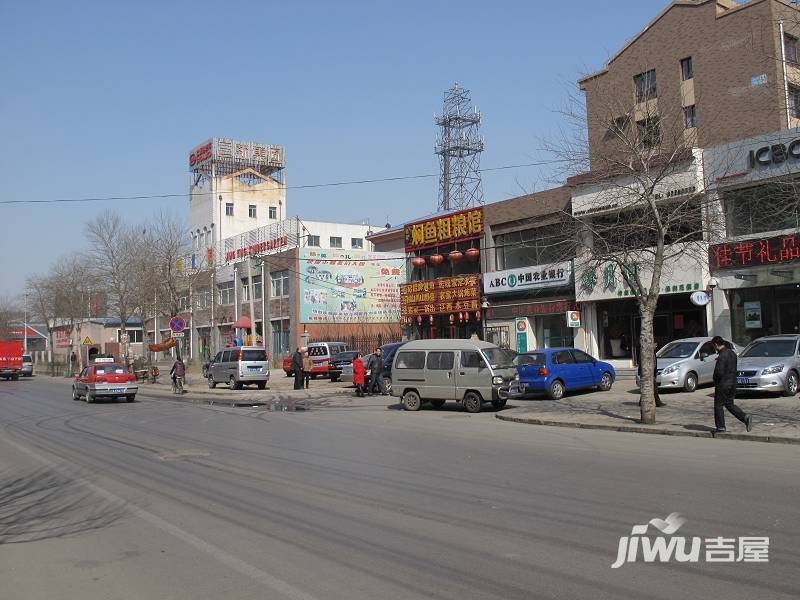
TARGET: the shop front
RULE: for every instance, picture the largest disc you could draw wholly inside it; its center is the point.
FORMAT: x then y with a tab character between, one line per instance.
448	307
612	322
535	299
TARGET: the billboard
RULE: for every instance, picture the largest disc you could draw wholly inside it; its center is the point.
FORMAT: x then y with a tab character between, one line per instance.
350	286
237	152
445	229
439	296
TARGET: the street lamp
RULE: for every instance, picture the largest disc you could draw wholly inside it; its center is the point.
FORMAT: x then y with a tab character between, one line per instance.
484	308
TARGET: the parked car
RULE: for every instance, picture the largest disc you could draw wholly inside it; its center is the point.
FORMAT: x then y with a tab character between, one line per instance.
556	371
105	379
387	356
320	354
207	365
27	365
770	364
10	360
469	372
244	365
340	363
687	363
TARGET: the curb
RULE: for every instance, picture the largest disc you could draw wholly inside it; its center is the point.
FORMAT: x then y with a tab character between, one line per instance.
652	431
265	396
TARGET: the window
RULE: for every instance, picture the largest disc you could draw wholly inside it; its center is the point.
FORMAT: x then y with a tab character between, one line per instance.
471	360
687	70
649	132
225	292
409	360
256	286
535	246
440	361
257	355
645	84
582	357
251	211
357	243
313	240
762	208
790	48
617	128
273	212
794	102
134	335
563	357
229	209
689	117
336	242
280	284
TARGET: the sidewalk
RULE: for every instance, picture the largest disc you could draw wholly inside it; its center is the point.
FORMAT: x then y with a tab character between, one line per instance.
775	419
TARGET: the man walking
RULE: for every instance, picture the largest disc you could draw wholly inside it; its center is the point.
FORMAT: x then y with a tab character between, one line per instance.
297	368
725	387
376	374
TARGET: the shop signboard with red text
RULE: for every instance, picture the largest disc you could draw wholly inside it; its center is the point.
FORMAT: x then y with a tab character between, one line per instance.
440	296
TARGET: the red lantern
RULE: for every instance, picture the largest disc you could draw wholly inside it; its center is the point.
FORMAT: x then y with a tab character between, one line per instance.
473	254
477	315
455	256
466	316
436	259
419	319
430	319
452	319
418	262
460	317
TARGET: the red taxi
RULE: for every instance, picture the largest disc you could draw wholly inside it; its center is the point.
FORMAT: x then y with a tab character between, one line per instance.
105	379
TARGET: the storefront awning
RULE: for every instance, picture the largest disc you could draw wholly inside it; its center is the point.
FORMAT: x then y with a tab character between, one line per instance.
242	323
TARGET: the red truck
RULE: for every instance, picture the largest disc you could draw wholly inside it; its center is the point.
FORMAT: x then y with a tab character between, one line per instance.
10	360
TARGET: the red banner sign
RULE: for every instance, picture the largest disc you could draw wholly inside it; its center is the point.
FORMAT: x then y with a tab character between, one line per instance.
438	296
511	311
460	226
201	154
778	250
253	249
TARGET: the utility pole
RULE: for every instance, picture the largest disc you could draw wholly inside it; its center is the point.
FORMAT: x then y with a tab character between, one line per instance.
250	295
25	325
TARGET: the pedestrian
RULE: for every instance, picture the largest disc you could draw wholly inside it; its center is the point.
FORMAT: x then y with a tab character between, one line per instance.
376	373
655	375
306	367
178	372
297	368
359	373
725	387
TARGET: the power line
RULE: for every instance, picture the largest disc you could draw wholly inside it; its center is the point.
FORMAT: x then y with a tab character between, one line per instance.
293	187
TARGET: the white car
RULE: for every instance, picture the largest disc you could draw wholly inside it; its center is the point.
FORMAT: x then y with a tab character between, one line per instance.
687	363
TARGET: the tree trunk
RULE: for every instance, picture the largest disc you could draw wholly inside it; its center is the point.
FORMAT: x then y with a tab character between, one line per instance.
647	396
51	354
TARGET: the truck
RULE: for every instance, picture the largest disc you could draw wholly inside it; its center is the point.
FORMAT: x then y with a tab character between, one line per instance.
10	360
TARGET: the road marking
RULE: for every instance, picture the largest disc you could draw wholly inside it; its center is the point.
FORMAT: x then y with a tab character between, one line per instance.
270	581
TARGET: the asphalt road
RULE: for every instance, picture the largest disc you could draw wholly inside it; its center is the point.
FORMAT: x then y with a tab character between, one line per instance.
162	499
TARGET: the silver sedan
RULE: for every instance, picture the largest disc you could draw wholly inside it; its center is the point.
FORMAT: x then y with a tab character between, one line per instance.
770	364
687	363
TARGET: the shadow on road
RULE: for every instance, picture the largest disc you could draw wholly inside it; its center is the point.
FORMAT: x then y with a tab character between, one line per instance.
44	504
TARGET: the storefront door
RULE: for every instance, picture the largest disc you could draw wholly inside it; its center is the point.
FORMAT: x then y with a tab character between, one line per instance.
789	317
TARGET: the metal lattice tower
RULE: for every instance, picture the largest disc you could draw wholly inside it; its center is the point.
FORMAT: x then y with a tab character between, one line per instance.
459	147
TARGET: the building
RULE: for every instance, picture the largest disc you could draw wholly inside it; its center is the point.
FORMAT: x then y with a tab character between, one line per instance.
97	335
755	257
718	69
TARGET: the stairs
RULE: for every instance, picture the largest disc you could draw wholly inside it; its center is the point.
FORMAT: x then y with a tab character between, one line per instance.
626	373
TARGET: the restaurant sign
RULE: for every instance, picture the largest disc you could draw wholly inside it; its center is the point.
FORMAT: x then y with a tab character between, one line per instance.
446	229
438	296
777	250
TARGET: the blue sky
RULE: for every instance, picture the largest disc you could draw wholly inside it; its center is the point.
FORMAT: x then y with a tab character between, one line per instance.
107	99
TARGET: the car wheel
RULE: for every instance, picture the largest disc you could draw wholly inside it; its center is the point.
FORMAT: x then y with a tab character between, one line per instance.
334	378
792	383
472	402
690	384
211	383
90	397
130	398
438	403
262	385
606	381
233	384
556	390
499	404
75	394
411	400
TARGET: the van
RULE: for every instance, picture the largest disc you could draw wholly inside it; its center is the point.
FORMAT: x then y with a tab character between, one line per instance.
467	371
321	354
244	365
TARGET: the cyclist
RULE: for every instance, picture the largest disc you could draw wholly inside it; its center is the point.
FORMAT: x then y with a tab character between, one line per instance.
178	372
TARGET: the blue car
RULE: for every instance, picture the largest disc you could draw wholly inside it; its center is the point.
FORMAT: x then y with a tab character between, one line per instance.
558	370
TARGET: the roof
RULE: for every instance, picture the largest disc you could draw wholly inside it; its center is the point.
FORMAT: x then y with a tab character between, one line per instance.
448	344
116	322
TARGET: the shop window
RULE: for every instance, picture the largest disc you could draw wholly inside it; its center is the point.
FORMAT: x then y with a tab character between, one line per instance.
762	208
535	246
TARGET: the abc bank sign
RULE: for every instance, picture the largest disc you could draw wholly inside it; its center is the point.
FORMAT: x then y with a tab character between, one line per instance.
527	278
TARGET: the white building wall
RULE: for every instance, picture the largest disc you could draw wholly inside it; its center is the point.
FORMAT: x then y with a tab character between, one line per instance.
346	231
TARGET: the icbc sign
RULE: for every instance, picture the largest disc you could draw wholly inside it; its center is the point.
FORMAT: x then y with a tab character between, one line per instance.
774	154
201	154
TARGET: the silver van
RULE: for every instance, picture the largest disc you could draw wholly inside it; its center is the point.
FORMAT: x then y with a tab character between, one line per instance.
240	366
467	371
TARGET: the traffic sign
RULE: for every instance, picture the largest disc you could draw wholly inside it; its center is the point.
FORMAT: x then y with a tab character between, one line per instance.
177	324
87	341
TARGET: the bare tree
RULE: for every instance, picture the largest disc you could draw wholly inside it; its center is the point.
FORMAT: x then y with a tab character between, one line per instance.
42	294
10	311
638	207
114	260
72	282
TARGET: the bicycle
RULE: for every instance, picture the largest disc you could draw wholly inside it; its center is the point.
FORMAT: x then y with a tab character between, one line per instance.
177	385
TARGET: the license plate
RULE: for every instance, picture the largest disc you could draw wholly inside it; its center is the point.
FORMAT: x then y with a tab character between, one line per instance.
117	390
254	368
743	380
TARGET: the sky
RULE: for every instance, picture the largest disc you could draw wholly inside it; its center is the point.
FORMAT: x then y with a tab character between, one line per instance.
103	99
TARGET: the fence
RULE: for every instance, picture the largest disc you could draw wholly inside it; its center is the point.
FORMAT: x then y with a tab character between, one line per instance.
365	344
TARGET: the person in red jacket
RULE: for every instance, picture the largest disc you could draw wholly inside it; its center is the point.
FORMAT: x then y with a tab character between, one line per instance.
359	374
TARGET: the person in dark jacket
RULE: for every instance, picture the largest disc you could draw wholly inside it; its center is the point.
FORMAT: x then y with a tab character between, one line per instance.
376	373
655	376
725	387
297	368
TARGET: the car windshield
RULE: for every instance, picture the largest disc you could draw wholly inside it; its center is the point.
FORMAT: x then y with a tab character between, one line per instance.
535	358
499	357
254	355
769	348
345	356
677	350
